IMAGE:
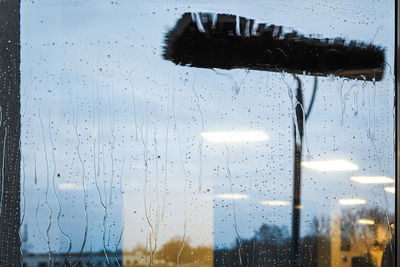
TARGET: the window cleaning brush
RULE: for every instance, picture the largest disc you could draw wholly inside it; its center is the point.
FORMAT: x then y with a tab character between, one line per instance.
206	40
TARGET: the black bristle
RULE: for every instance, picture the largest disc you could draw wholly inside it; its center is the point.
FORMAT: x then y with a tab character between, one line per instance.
220	46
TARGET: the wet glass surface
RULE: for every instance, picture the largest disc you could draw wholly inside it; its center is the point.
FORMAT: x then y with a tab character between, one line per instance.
131	160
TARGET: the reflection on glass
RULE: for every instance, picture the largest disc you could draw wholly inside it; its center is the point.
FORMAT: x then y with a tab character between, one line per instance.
362	236
390	189
372	179
69	186
366	221
232	196
274	203
330	165
352	201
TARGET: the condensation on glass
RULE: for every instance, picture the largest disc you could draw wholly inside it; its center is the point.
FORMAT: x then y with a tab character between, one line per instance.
130	160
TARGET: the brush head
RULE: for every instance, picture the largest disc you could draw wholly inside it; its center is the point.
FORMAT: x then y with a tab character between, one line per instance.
206	40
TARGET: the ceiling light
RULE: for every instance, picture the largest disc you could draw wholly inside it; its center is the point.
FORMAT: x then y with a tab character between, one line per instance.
330	165
372	179
390	189
232	196
366	221
69	186
352	201
235	136
274	203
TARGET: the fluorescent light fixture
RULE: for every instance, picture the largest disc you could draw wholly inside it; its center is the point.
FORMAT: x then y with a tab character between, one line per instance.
69	187
235	136
366	221
352	201
330	165
390	189
232	196
95	133
274	203
372	179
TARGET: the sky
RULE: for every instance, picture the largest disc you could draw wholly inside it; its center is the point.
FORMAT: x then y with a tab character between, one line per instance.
109	125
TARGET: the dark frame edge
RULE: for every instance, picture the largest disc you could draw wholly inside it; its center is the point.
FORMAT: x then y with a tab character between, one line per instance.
397	131
10	127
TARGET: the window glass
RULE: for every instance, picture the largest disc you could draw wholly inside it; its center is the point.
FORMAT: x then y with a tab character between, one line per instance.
131	160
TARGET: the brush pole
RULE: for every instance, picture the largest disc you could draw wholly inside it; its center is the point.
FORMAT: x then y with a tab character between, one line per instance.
296	204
